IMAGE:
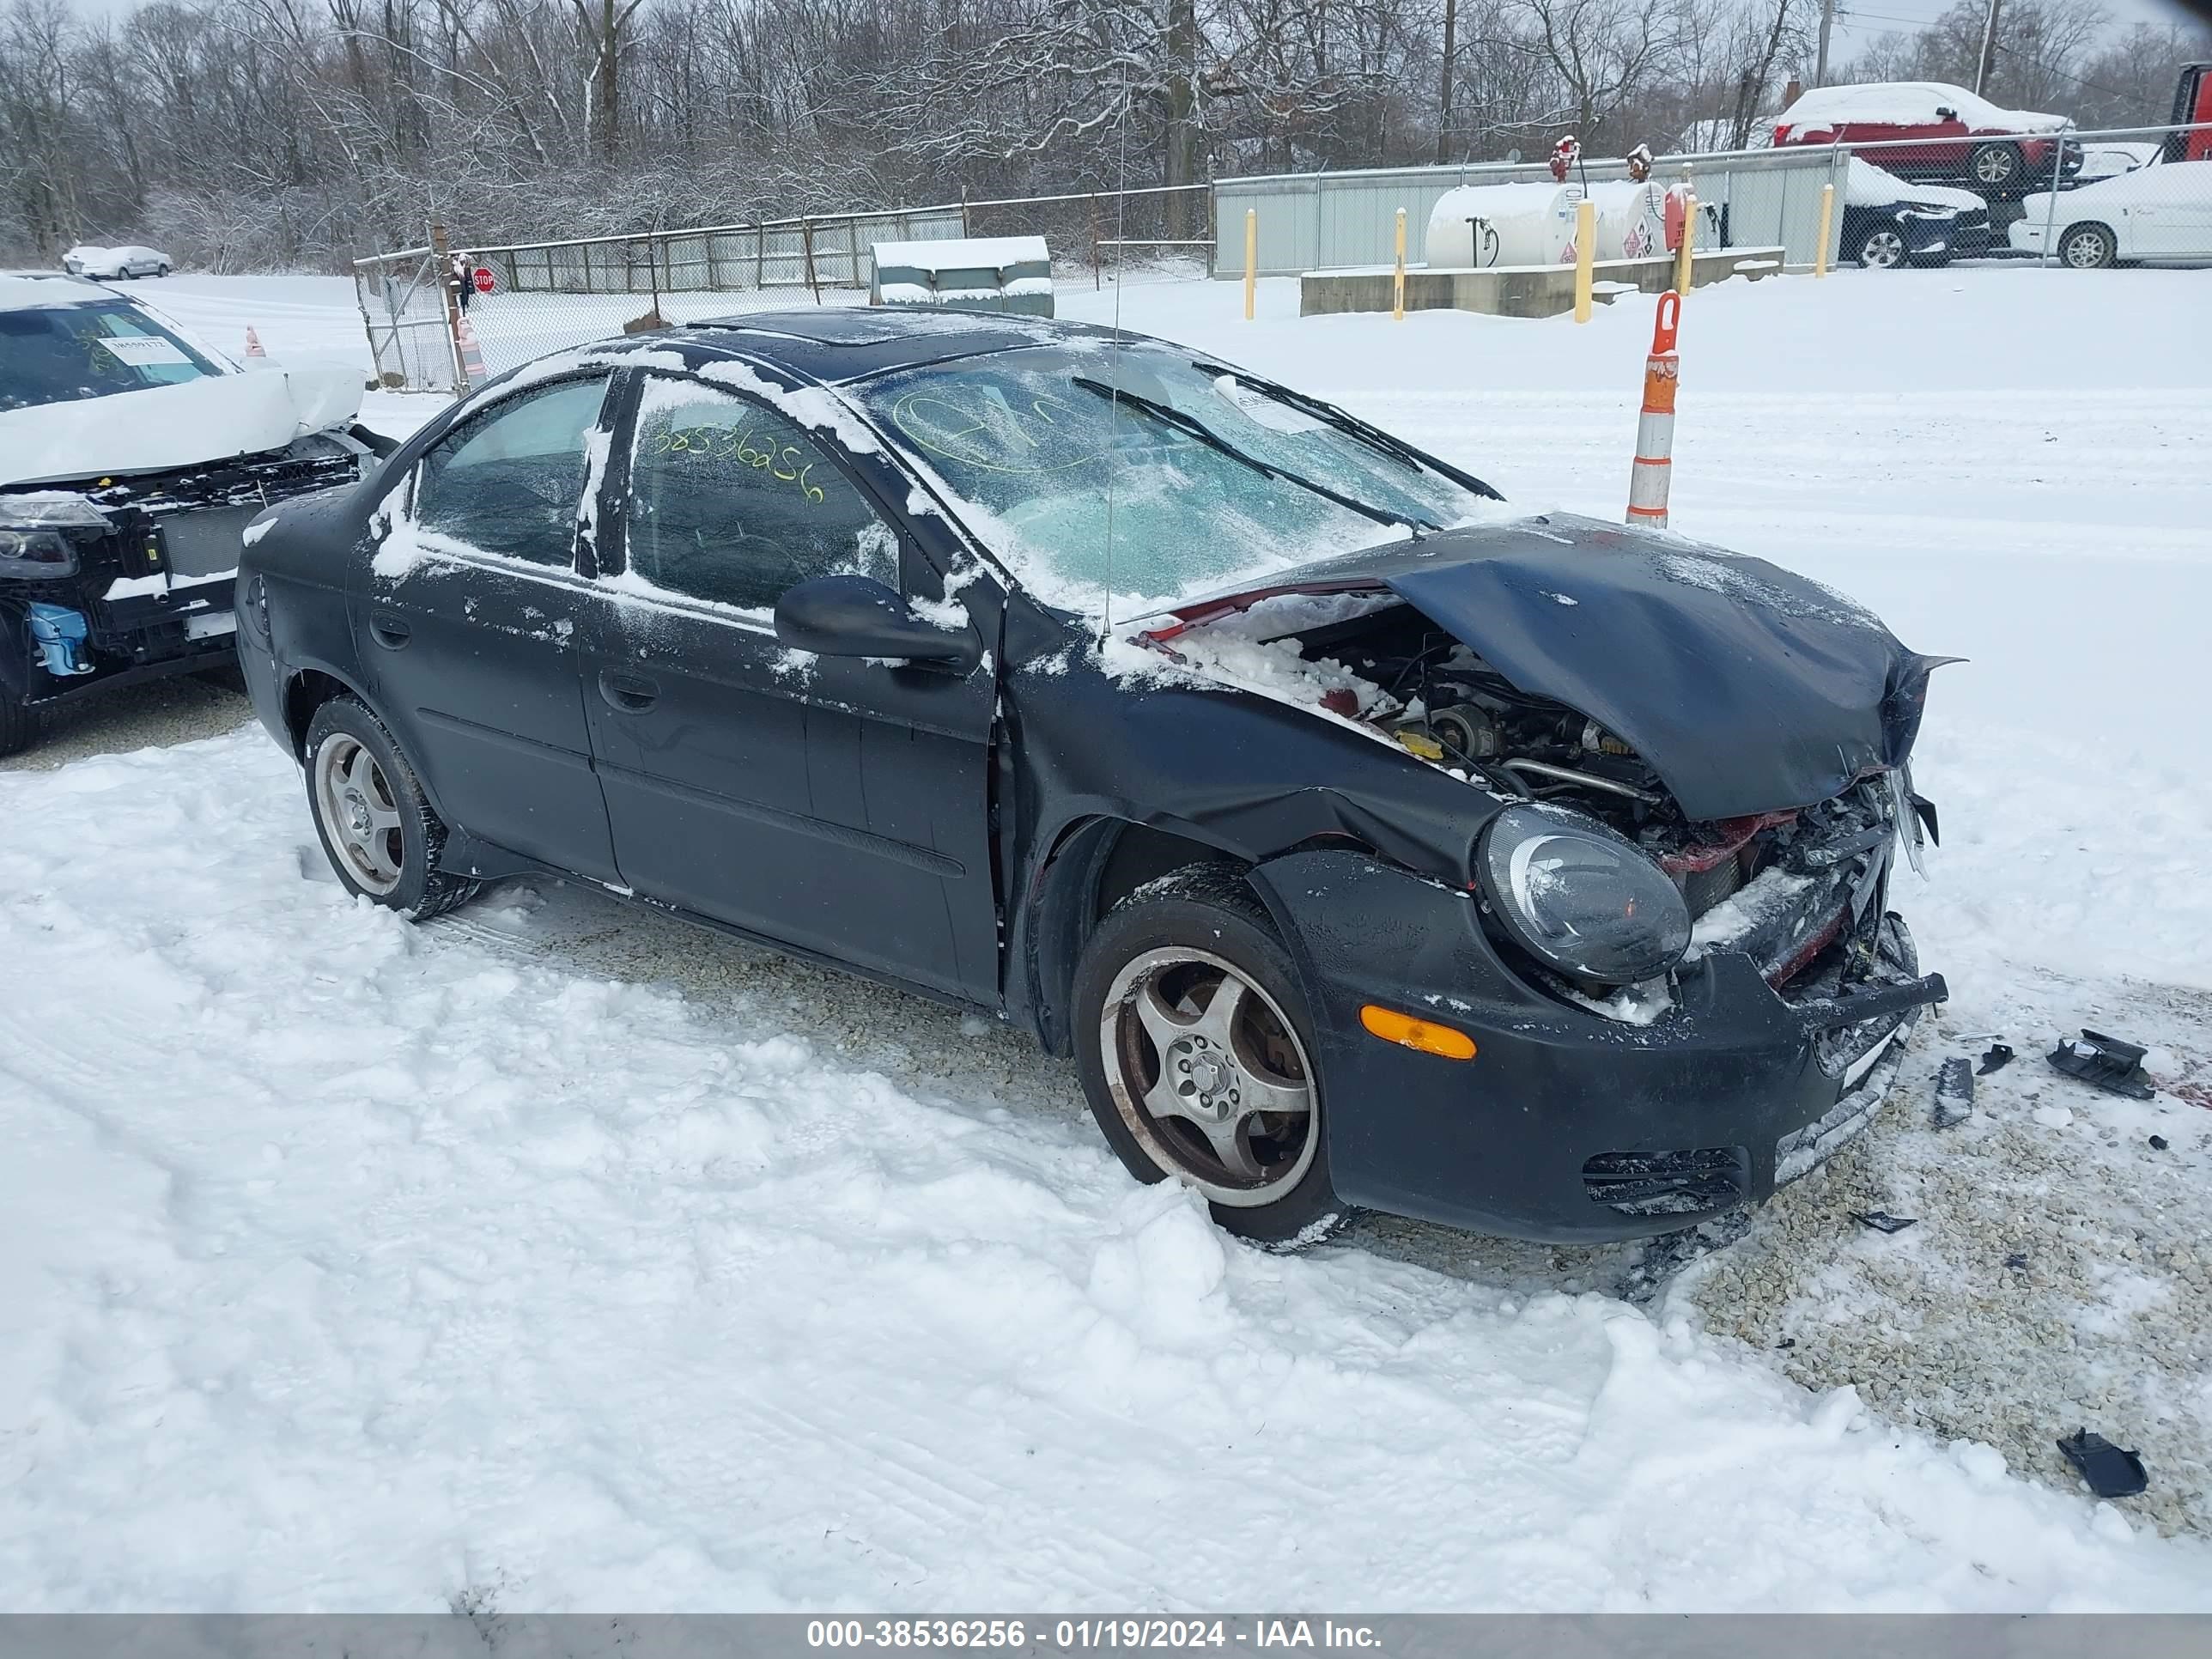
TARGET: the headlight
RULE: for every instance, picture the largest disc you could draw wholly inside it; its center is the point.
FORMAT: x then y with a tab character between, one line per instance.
1580	898
40	534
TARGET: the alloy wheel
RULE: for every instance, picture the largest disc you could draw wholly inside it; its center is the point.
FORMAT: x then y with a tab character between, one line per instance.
1994	166
2086	249
1883	251
360	818
1209	1075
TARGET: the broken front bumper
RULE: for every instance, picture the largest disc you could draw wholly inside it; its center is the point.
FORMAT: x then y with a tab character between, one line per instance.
1565	1126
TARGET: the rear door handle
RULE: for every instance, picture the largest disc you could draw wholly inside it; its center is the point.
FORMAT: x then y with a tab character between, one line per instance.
627	694
390	632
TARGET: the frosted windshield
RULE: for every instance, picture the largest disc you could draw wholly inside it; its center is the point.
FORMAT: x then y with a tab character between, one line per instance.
1036	445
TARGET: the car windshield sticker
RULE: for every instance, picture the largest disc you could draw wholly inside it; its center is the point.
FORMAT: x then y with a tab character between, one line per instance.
143	351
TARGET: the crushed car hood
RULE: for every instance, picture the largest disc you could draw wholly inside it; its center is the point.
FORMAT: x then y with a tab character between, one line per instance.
166	427
1746	687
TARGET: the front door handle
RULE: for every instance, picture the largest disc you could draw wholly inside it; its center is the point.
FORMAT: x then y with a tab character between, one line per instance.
628	693
390	632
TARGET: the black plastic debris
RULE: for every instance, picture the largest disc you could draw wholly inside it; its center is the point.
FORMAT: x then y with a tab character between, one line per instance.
1998	1056
2017	1261
2111	1471
2158	1143
1882	1221
2111	1065
1954	1093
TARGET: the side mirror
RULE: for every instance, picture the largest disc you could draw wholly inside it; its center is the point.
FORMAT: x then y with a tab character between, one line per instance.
1943	113
859	616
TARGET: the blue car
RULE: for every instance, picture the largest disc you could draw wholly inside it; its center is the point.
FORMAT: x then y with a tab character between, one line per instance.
1888	222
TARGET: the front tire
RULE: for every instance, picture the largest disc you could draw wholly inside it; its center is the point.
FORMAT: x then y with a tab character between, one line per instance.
1882	248
377	827
1196	1051
2088	247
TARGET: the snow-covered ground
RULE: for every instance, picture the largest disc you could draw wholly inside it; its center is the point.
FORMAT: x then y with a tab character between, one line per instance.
553	1257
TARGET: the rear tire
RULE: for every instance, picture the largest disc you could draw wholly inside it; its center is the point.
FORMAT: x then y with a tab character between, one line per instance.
2088	247
1995	168
19	727
377	827
1176	1077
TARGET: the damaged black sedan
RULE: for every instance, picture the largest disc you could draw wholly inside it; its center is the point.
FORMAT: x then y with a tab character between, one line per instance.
1365	841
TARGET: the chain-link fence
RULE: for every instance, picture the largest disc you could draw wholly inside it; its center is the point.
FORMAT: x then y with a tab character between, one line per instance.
522	300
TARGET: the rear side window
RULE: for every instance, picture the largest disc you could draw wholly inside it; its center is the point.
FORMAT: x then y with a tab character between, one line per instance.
509	481
60	354
733	503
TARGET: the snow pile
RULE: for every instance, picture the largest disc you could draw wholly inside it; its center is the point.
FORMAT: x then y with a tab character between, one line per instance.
354	1265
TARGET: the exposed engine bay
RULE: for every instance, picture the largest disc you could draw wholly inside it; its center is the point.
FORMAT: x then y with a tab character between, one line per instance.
1812	871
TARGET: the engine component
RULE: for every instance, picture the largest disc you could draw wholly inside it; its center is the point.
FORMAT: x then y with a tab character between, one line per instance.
1579	897
58	634
1587	780
1598	741
1466	728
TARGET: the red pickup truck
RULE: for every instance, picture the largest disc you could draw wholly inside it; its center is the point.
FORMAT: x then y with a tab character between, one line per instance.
1930	129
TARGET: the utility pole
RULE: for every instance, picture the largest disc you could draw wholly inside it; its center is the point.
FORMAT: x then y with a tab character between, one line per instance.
1828	22
1986	63
1444	119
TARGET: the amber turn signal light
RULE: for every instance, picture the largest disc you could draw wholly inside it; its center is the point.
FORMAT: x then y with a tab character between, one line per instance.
1426	1034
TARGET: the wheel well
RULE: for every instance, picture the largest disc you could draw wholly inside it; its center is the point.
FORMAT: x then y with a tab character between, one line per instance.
1093	867
308	690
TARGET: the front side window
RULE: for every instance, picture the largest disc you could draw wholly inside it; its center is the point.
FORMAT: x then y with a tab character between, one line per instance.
509	481
733	503
60	354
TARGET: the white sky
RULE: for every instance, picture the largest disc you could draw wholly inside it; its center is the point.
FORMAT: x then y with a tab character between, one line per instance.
1855	22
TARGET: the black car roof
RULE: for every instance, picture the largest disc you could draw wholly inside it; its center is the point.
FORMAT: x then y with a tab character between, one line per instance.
836	344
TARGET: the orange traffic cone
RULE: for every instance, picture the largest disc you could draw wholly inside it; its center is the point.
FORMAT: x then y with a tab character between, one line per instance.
254	342
472	362
1654	468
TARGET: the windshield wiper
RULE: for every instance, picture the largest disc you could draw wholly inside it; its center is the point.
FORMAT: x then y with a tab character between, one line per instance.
1353	427
1168	415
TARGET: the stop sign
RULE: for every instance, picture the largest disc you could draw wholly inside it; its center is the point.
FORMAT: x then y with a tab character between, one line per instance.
484	279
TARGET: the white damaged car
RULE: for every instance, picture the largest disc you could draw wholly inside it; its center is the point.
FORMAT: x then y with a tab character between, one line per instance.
132	458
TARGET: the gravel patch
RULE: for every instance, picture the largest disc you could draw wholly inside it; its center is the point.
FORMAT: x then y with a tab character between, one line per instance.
2058	1274
153	714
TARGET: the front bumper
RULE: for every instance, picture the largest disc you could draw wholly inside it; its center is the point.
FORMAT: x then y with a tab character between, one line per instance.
1566	1126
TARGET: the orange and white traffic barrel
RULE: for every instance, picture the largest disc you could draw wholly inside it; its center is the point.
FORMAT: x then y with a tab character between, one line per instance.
1655	429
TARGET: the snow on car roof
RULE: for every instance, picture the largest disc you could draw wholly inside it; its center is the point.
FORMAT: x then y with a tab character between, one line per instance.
21	290
1910	102
2170	184
1869	185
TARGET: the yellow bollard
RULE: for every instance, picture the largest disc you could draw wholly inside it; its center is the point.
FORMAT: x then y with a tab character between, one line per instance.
1683	269
1251	259
1398	284
1827	220
1585	256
